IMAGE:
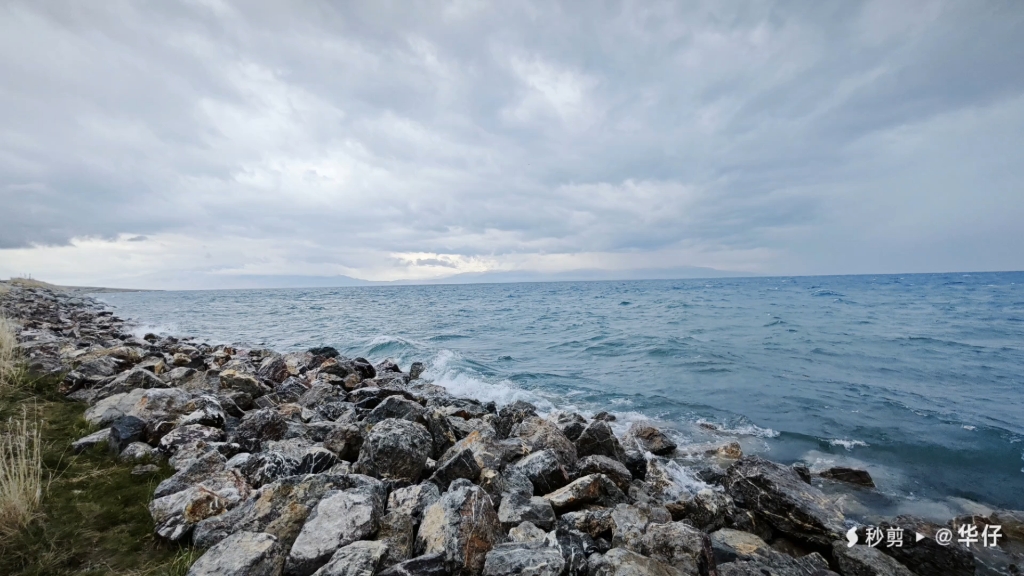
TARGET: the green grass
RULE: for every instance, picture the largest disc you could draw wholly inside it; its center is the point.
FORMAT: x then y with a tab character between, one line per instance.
93	517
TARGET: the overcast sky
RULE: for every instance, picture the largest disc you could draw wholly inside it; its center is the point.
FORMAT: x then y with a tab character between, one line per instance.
187	144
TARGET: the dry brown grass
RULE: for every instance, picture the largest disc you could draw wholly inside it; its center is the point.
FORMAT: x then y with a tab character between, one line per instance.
32	283
8	351
21	474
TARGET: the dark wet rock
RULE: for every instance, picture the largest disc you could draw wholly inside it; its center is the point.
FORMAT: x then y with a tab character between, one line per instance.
531	558
398	532
426	565
235	402
517	508
544	470
459	465
622	562
178	437
926	557
266	467
463	526
416	370
87	442
488	450
339	519
387	365
242	554
345	440
790	505
647	438
861	560
593	489
411	501
595	522
324	352
257	427
511	416
363	367
315	461
571	424
613	469
849	475
802	471
680	545
399	408
395	449
539	434
526	532
597	439
605	416
636	463
574	546
749	521
363	558
443	434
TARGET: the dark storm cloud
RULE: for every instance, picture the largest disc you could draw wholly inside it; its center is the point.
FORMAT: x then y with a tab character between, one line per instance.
776	136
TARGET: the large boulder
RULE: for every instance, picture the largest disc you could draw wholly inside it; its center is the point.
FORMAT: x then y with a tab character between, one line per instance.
622	562
511	416
679	545
597	439
459	465
488	450
593	489
147	404
463	526
539	434
792	506
361	558
198	470
345	440
241	554
613	469
571	424
257	427
395	449
397	407
175	515
518	558
339	519
398	532
647	438
544	471
237	380
861	560
516	509
411	501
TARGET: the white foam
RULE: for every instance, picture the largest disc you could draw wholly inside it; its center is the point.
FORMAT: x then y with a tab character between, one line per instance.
469	385
159	329
744	430
848	444
969	427
683	480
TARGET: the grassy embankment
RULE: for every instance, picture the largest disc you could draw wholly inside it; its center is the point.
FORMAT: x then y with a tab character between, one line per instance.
62	513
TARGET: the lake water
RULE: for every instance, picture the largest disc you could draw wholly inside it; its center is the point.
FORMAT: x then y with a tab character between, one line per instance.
919	378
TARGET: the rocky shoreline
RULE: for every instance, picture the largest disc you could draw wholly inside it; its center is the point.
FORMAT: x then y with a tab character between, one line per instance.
312	463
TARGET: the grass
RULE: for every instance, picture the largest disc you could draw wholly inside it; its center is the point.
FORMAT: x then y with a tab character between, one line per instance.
8	352
84	514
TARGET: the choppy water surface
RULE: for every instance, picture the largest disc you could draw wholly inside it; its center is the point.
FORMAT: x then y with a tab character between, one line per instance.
918	377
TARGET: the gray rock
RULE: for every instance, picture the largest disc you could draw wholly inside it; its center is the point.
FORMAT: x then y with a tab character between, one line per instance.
356	559
241	554
459	465
266	467
197	471
176	514
679	545
516	509
86	442
647	438
463	526
861	560
411	501
124	431
511	479
396	450
316	460
927	557
708	509
397	532
613	469
177	375
139	452
597	439
257	427
345	440
778	564
592	489
273	369
145	470
622	562
571	424
488	450
528	559
206	410
340	518
790	505
539	434
415	370
148	404
526	532
629	524
544	470
574	547
132	379
731	545
426	565
182	435
442	432
511	416
397	407
595	522
242	382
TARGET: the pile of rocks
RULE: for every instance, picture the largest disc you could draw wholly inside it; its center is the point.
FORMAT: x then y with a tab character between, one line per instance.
313	463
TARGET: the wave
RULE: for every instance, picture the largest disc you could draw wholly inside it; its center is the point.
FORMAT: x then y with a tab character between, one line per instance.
740	430
848	444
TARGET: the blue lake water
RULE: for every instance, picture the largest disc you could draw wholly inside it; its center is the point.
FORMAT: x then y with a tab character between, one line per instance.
920	378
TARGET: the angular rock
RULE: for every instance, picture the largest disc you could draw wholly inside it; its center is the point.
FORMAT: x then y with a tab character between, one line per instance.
241	554
647	438
176	514
124	431
861	560
595	522
345	440
526	532
356	559
316	460
266	467
511	416
791	506
488	450
927	557
679	545
411	501
539	434
273	369
511	479
571	424
415	370
138	452
708	509
86	442
242	382
426	565
532	559
395	449
398	533
597	439
257	427
516	509
849	475
622	562
206	410
593	489
442	432
730	545
182	435
544	470
148	404
197	471
613	469
460	465
574	547
339	519
397	407
463	526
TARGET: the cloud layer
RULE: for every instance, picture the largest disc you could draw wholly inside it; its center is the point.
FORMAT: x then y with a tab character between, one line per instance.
156	144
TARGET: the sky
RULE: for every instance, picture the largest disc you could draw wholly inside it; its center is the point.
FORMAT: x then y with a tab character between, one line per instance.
210	143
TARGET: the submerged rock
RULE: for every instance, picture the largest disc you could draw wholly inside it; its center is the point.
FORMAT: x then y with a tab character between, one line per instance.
849	475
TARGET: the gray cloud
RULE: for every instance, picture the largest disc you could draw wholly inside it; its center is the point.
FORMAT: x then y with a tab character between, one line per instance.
385	140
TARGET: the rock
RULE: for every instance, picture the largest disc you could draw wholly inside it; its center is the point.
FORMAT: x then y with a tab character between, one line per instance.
197	471
411	501
99	368
679	545
605	416
176	375
488	450
273	369
442	432
574	547
339	519
280	508
526	532
324	352
709	509
460	465
132	379
636	463
593	489
395	449
397	407
539	434
647	438
292	389
926	557
86	442
398	533
729	545
849	475
426	565
345	440
802	471
124	431
622	562
629	523
511	416
176	514
595	522
527	558
416	370
257	427
182	435
266	467
510	480
357	559
598	439
241	554
147	404
861	560
138	452
206	410
613	469
791	506
544	470
463	526
516	509
571	424
315	461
